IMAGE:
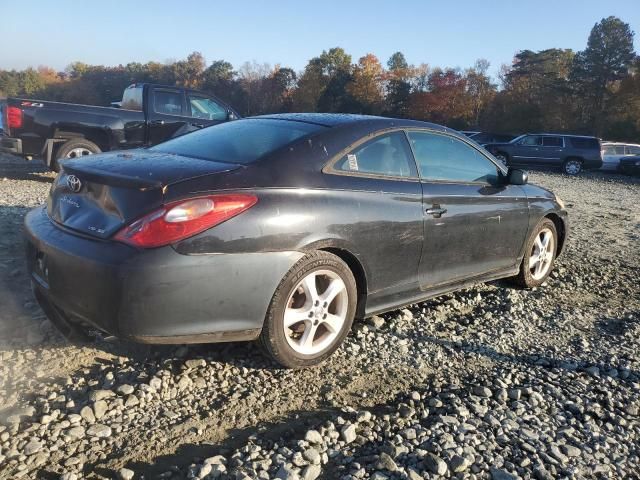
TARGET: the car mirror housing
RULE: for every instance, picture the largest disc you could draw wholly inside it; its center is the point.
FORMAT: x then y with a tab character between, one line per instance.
231	115
517	177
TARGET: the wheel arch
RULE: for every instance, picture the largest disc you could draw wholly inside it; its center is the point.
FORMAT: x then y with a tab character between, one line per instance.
357	270
560	228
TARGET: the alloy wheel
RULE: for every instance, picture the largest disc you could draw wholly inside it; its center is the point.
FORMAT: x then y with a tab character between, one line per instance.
315	312
79	152
573	167
542	254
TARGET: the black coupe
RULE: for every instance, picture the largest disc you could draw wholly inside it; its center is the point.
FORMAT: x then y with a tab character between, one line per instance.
282	228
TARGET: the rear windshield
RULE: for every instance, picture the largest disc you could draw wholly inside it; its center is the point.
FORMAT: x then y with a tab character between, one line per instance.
590	143
240	141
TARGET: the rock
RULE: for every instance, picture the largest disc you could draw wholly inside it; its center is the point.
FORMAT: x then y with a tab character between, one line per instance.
435	464
311	455
481	391
348	433
100	395
125	390
413	474
75	432
385	462
125	474
311	472
313	437
376	321
498	474
379	476
34	446
571	451
285	472
99	409
68	476
216	460
458	464
99	430
87	414
409	433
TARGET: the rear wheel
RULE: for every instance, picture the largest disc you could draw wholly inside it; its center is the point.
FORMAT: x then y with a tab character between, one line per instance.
572	166
311	311
540	255
74	148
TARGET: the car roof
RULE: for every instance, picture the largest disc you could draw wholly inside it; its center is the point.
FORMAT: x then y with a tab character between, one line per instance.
352	119
560	135
621	143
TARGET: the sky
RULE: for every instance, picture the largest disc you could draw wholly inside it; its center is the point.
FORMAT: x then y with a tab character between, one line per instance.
289	33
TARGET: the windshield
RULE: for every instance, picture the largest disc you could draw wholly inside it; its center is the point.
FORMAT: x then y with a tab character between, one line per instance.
518	138
241	141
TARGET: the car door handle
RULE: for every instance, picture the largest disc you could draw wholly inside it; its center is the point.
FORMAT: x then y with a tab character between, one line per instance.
436	211
198	125
156	122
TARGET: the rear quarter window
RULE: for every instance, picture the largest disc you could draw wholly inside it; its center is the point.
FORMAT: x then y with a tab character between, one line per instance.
241	141
585	143
132	98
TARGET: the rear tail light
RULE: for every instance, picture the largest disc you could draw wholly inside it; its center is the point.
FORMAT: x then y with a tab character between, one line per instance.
183	219
14	117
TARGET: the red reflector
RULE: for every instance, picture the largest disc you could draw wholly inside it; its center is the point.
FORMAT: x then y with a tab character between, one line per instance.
183	219
14	117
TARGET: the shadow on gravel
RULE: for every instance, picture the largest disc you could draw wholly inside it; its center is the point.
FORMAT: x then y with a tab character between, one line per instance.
15	168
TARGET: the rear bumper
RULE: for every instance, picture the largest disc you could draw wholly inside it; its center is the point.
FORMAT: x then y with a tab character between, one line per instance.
11	145
151	296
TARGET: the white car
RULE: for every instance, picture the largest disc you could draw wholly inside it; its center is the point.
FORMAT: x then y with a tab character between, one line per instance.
613	152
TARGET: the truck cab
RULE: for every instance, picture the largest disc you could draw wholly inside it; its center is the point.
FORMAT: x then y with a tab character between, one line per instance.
147	115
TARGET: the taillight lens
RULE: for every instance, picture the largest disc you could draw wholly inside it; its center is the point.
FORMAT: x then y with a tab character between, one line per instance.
183	219
14	117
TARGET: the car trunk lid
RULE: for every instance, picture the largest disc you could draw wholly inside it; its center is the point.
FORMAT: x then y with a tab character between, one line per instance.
97	196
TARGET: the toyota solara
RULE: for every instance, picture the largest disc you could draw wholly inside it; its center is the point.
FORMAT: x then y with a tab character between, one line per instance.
282	229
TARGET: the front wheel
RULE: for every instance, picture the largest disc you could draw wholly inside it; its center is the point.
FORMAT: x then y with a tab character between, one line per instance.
540	254
311	311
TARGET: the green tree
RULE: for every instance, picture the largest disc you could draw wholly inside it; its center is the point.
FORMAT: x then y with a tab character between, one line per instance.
398	86
605	61
365	86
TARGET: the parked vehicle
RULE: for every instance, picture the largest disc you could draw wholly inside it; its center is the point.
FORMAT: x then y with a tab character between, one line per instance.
484	138
571	153
613	152
630	165
149	114
2	106
282	228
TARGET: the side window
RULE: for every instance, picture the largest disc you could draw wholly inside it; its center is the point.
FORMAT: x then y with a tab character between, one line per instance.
531	141
619	149
445	158
633	150
387	155
167	101
608	150
132	98
204	107
552	142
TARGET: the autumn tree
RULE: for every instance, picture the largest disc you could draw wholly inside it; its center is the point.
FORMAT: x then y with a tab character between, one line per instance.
366	85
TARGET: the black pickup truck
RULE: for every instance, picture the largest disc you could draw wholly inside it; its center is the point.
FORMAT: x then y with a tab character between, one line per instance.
148	114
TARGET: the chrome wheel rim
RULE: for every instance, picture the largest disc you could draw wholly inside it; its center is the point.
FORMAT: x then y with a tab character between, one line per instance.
541	254
573	167
315	312
79	152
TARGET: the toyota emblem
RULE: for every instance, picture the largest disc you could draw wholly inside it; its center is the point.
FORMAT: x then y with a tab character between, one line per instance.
74	183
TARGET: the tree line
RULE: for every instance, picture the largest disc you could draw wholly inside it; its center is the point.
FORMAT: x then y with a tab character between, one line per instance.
593	91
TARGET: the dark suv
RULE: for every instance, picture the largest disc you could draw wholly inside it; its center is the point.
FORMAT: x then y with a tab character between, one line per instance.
571	153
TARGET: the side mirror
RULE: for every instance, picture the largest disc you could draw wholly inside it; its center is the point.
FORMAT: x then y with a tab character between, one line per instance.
517	177
231	115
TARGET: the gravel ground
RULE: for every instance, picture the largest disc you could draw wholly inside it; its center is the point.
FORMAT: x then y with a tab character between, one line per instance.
489	382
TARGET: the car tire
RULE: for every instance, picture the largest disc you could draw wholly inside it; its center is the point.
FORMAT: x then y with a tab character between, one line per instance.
300	328
572	166
74	148
534	273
